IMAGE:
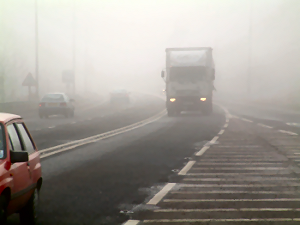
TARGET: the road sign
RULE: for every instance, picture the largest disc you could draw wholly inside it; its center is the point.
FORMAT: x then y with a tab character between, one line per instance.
68	76
29	81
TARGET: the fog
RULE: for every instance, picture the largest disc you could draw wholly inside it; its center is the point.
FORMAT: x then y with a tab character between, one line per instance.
122	44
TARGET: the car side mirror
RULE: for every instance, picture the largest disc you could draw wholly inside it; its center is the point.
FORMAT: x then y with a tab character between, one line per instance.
162	74
16	157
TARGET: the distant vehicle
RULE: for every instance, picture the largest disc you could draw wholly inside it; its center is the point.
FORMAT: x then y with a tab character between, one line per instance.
20	170
120	96
56	104
190	75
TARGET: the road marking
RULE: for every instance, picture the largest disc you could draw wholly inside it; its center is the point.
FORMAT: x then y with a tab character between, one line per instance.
131	222
203	150
162	193
245	168
238	164
244	179
230	210
239	173
236	200
242	160
51	127
246	120
74	144
221	220
221	132
238	146
239	185
294	124
287	132
235	192
187	167
263	125
213	141
226	125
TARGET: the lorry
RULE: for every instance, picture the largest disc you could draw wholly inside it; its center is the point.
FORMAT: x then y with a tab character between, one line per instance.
189	77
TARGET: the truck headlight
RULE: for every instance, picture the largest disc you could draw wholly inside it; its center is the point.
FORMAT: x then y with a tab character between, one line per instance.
172	99
203	99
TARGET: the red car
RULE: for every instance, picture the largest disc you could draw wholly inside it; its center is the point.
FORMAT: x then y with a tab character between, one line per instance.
20	170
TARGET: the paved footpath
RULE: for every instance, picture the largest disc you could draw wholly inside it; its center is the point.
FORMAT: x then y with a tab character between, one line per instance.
247	174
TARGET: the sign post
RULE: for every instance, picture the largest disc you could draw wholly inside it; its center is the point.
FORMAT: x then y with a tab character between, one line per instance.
29	81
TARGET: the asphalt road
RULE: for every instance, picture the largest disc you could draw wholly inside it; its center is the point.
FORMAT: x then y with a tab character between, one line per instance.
98	182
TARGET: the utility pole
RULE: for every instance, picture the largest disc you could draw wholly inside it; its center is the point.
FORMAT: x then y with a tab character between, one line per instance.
74	46
249	77
36	51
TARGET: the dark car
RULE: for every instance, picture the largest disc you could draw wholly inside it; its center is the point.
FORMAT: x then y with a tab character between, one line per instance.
56	104
120	96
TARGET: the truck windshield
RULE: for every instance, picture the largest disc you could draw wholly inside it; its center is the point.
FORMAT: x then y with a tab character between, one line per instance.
187	74
2	142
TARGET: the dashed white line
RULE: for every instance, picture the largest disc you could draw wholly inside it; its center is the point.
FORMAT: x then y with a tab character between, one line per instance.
202	151
187	167
246	120
226	125
213	141
263	125
287	132
158	197
221	132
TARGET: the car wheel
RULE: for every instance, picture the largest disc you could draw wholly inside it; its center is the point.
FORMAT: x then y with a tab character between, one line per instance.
28	215
3	212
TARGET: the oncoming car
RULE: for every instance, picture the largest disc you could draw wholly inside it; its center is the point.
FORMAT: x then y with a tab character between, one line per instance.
20	170
119	96
56	104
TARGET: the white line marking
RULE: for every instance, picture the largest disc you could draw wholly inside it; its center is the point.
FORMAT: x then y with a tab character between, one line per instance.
226	125
214	140
237	164
74	144
202	151
235	192
238	146
287	132
221	220
187	167
246	120
239	185
230	210
236	200
239	173
244	168
221	132
162	193
241	160
244	179
263	125
131	222
227	120
51	127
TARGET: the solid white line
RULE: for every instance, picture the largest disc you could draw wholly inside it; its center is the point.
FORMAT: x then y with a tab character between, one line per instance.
221	220
236	200
187	167
235	192
214	140
244	179
238	173
231	210
263	125
203	150
221	132
162	193
226	125
287	132
131	222
246	120
244	168
239	185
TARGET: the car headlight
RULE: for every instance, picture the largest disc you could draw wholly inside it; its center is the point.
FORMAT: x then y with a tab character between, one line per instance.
203	99
172	99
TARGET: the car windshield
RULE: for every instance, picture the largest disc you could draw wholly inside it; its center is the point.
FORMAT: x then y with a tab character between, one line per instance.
2	142
187	74
53	98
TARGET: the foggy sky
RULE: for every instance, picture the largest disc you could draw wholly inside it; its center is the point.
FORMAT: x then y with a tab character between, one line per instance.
122	43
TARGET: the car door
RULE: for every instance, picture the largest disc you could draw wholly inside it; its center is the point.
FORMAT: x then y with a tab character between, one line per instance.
19	171
33	164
